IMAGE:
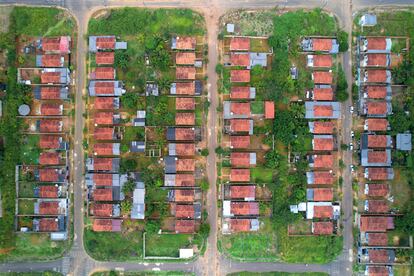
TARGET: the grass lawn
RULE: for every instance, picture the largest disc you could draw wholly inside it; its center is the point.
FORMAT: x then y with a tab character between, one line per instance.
26	189
276	273
26	207
105	246
166	245
142	273
30	150
261	175
43	273
257	107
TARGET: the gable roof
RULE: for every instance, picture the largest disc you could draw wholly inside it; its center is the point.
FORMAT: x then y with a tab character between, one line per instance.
322	44
51	109
240	59
185	73
323	143
323	212
103	73
107	225
50	125
104	118
184	134
103	179
377	108
377	206
48	191
240	75
376	190
105	103
187	165
242	159
321	60
105	58
375	223
48	175
48	225
239	44
377	75
376	60
320	194
103	133
376	43
184	226
376	124
239	142
244	208
184	195
50	93
323	77
102	195
319	127
106	149
185	118
185	103
323	94
241	125
242	191
49	208
322	227
377	239
376	91
49	158
51	60
320	178
59	44
240	175
269	110
185	88
181	149
185	58
49	141
105	42
322	161
184	42
242	93
101	209
184	211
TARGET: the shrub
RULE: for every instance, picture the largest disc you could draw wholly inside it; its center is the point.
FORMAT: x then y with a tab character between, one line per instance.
204	152
342	86
343	41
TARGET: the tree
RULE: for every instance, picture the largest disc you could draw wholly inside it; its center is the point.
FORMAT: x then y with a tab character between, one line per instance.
130	100
341	86
152	226
204	185
284	126
343	41
126	206
128	187
121	59
272	159
128	165
204	152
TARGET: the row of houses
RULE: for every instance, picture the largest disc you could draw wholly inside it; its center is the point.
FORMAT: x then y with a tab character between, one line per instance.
240	205
376	217
322	111
42	187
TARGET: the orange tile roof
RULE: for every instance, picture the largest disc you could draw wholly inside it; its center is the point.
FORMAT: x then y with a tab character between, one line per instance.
105	43
48	191
378	256
323	94
184	134
377	156
323	127
184	226
187	165
103	149
103	133
240	75
240	142
322	228
48	175
376	43
50	77
240	108
322	77
49	141
378	173
186	43
377	124
377	108
104	103
242	191
323	161
377	60
50	125
323	194
240	125
51	109
269	110
323	178
104	118
49	158
323	144
240	225
322	110
240	175
322	44
102	87
184	211
244	208
102	195
377	75
185	73
377	141
185	149
377	239
185	103
239	44
48	225
322	61
184	180
378	271
102	225
185	118
185	88
323	212
373	224
103	179
102	209
51	61
239	59
378	190
105	58
51	44
185	58
50	92
49	208
102	164
376	92
184	195
104	73
240	159
378	206
240	92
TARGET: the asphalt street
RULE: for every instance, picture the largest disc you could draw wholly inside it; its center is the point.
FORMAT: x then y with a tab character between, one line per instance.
77	262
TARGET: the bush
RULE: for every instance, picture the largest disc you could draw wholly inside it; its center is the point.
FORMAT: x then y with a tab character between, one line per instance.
341	86
121	59
128	165
343	41
204	185
204	152
129	100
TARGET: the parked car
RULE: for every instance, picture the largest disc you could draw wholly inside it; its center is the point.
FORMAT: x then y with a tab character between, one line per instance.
351	109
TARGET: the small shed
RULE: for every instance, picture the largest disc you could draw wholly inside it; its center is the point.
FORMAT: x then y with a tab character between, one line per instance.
269	110
230	28
404	141
368	20
151	89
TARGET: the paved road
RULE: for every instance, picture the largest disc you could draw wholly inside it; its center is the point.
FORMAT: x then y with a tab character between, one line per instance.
77	262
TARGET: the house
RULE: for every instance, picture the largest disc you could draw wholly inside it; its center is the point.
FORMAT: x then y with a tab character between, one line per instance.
376	76
50	109
50	175
49	224
103	180
377	109
239	142
236	110
322	110
322	228
194	88
107	225
138	200
58	45
269	110
242	93
174	164
379	270
377	158
47	191
181	134
257	59
320	178
368	20
105	88
185	118
376	60
103	164
105	42
139	120
321	210
185	73
187	196
319	194
240	175
374	174
322	77
109	103
181	149
376	206
49	158
50	93
323	143
151	89
105	210
241	225
240	76
49	126
377	92
376	44
186	211
102	73
239	44
377	256
55	76
185	58
243	192
321	161
375	141
376	223
404	142
240	126
184	226
376	190
179	180
235	209
103	194
106	149
50	60
137	146
183	43
104	58
240	59
106	118
243	159
50	207
314	44
372	124
318	127
324	61
53	142
104	133
184	103
374	239
320	93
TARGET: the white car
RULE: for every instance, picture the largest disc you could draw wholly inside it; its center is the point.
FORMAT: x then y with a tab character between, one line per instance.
351	109
351	146
352	134
352	168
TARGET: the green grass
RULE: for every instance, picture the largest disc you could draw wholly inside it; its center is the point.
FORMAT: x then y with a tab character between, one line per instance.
143	273
43	273
276	273
257	107
105	246
30	150
26	189
26	207
166	245
261	175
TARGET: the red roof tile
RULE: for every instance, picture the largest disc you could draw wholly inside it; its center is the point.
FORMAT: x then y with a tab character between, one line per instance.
322	228
50	125
326	144
105	58
378	256
184	180
240	108
240	175
48	225
378	173
55	44
377	156
102	225
322	110
104	118
242	191
323	194
103	179
185	103
184	134
101	210
323	161
185	58
50	77
51	109
184	211
240	159
323	178
185	149
48	191
323	127
103	43
48	175
103	133
376	108
104	103
240	92
378	271
376	92
239	44
323	212
184	226
377	124
377	60
376	43
185	73
50	92
185	43
377	239
103	149
51	60
102	164
244	208
102	195
240	125
185	118
322	44
239	142
49	208
322	77
323	94
49	158
185	88
104	73
378	206
377	141
378	190
240	225
373	224
240	75
184	195
377	75
239	59
269	110
49	141
322	61
103	88
185	165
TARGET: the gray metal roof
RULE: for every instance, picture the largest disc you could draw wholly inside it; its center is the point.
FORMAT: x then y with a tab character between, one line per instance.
258	59
170	164
404	141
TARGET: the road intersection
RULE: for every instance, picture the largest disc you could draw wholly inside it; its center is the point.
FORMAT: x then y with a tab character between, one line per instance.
77	261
